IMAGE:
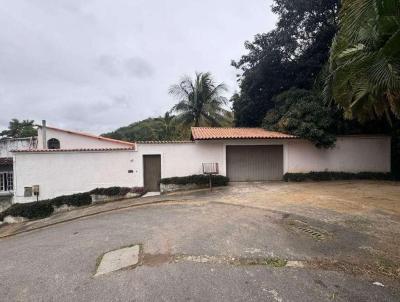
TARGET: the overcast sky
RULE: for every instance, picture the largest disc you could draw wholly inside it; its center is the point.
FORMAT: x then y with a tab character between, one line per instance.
96	65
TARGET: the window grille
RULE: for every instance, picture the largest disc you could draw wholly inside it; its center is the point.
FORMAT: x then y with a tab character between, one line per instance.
53	143
6	181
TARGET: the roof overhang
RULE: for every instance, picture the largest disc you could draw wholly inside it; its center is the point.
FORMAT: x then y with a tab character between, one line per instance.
215	133
73	150
101	138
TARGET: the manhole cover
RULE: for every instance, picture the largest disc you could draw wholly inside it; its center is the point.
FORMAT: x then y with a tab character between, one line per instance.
118	259
305	228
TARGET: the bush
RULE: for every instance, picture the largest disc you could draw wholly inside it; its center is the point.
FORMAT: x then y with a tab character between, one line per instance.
44	208
217	180
77	200
117	191
31	210
324	176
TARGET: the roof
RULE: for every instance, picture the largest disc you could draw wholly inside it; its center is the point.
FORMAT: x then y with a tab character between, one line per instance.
6	161
210	133
164	142
72	150
91	136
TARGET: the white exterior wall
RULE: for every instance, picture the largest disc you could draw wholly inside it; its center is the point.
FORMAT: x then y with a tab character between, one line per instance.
351	154
179	159
63	173
75	141
6	145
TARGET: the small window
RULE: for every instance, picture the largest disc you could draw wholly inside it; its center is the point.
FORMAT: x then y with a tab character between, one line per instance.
6	181
53	143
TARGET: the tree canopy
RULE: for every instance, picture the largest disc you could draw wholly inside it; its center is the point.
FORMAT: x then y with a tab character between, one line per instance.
19	129
159	128
302	113
291	55
364	69
200	101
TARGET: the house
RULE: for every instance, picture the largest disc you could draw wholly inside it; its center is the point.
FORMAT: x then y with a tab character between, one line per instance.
6	163
67	162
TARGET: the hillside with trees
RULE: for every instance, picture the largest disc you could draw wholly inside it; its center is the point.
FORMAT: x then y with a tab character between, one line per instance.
200	103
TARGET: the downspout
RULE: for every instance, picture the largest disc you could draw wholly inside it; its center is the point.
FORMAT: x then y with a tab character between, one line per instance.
44	140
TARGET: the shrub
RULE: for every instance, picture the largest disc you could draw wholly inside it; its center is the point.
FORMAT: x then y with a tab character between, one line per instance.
31	210
217	180
324	176
44	208
117	191
77	200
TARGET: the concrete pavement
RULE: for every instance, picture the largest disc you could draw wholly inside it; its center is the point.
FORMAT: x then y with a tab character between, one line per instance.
57	263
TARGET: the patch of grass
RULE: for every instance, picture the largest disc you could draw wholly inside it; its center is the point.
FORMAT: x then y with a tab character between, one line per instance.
326	175
273	262
388	267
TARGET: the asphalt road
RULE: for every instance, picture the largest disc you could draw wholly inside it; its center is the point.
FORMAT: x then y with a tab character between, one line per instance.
57	263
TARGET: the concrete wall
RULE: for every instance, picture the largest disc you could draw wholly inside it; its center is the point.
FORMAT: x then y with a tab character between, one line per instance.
64	173
351	154
76	141
179	159
6	145
59	173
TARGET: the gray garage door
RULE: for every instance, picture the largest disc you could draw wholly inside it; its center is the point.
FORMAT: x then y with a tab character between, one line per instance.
254	163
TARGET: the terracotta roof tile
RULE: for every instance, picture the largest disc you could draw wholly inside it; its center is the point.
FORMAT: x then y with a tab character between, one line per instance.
72	150
91	136
209	133
164	142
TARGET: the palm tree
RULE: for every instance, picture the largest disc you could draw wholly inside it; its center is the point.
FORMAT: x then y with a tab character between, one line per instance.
364	65
200	100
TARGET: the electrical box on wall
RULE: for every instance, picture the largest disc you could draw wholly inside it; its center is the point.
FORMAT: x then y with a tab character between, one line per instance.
35	190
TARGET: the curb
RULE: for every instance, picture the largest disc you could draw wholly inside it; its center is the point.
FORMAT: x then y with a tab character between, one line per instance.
89	215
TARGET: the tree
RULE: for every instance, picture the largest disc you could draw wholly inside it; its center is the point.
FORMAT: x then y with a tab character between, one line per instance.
302	113
364	69
19	129
200	100
152	129
291	55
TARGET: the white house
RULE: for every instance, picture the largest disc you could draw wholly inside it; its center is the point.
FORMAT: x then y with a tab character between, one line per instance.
6	163
67	162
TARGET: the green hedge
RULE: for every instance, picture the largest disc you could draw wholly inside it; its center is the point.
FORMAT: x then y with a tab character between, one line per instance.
31	210
323	176
217	180
44	208
117	191
76	200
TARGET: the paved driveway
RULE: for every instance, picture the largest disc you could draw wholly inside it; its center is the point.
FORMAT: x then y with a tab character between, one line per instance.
222	246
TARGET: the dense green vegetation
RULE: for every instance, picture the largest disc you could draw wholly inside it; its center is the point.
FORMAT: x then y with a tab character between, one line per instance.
201	179
329	67
301	112
364	66
291	55
323	176
44	208
19	129
200	101
159	128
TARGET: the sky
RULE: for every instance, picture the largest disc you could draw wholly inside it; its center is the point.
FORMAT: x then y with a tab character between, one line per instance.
97	65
